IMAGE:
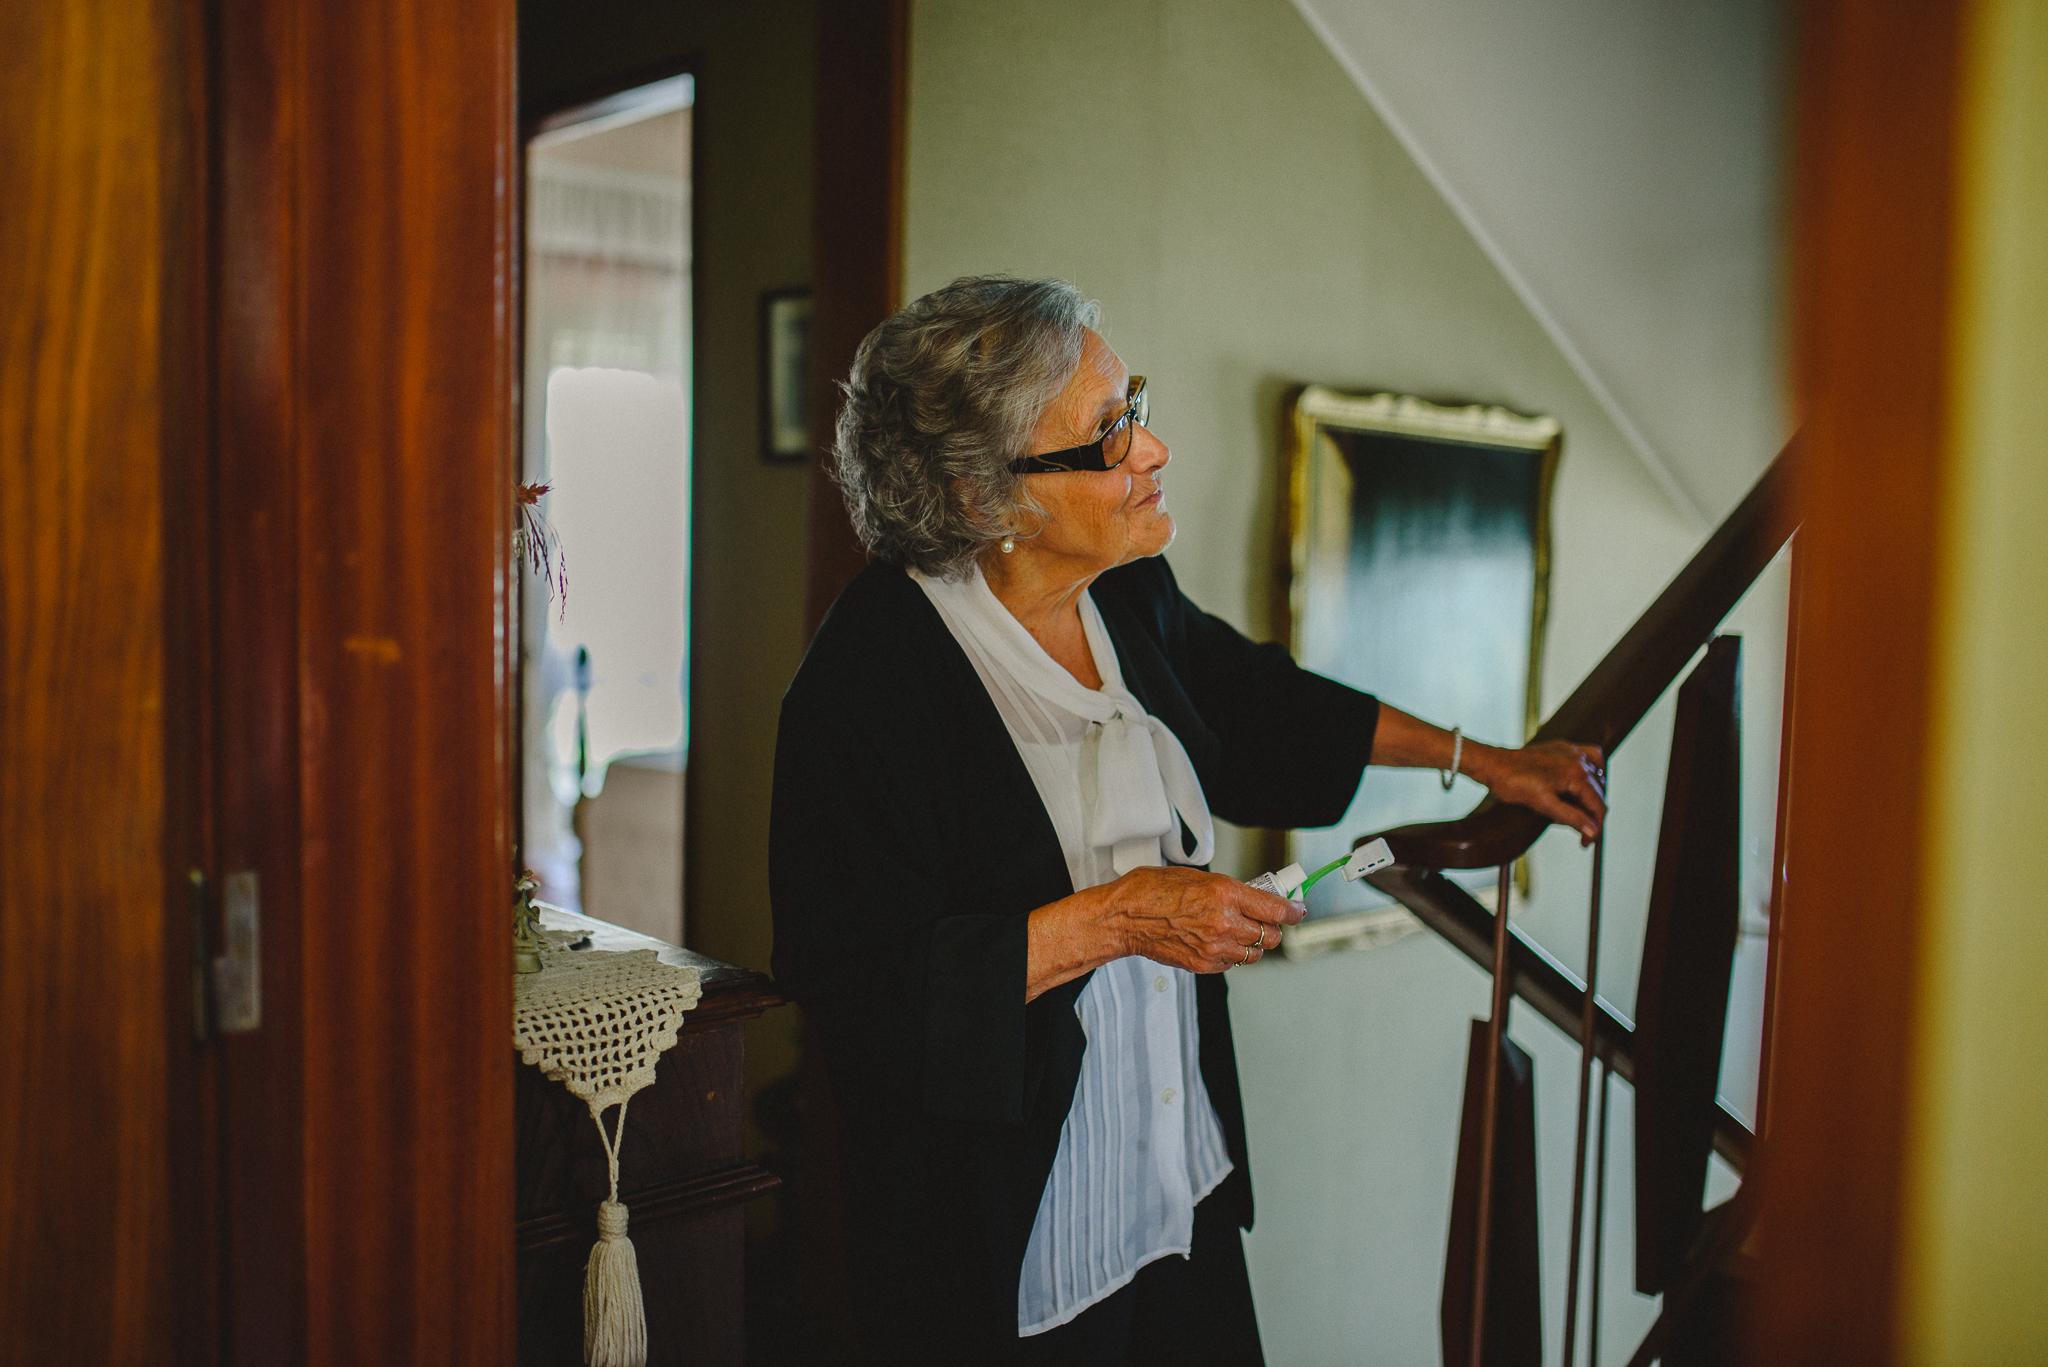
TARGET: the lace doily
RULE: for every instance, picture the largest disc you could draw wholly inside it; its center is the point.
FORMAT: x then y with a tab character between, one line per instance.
597	1021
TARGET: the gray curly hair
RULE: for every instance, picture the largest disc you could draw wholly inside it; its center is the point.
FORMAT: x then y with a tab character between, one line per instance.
941	398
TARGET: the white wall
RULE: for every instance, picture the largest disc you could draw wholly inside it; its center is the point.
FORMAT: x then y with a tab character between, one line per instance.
1209	171
1620	159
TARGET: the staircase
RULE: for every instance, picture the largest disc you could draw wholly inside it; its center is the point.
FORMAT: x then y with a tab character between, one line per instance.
1671	1054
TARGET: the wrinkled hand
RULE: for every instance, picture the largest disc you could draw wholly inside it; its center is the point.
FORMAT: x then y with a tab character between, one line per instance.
1203	922
1563	781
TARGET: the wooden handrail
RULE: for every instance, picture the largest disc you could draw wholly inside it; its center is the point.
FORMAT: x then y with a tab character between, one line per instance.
1539	980
1601	711
1611	700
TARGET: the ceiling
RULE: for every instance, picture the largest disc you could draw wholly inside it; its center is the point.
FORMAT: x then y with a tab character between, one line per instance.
1621	161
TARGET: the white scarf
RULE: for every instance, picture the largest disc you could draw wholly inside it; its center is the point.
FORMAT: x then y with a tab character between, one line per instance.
1131	787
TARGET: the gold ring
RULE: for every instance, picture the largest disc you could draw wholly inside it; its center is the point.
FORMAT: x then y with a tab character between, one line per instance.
1248	953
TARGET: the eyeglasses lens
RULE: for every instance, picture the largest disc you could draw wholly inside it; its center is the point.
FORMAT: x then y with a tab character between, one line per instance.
1116	443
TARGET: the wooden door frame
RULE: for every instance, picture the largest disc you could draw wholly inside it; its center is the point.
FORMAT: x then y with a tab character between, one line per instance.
532	113
856	248
861	83
1874	205
319	694
255	426
362	350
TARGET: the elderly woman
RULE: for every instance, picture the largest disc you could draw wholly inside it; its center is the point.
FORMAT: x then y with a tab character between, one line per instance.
994	787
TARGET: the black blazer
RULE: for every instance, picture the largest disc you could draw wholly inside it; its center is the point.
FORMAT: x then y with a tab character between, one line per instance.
908	846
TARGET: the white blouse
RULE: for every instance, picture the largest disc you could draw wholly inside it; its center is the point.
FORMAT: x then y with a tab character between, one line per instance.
1142	1143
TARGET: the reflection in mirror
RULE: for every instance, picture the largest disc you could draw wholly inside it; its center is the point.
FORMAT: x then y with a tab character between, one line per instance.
607	429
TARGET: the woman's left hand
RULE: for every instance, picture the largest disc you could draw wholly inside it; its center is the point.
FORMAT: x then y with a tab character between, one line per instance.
1563	781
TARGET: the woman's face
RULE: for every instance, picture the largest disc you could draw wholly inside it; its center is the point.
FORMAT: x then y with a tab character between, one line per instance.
1098	519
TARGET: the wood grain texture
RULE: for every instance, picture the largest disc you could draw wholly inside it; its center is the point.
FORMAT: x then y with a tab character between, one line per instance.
254	530
362	520
1873	208
405	466
1514	1277
1688	952
194	1076
91	154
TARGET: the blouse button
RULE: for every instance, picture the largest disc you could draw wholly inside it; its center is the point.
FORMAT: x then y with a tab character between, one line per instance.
1159	983
1167	1096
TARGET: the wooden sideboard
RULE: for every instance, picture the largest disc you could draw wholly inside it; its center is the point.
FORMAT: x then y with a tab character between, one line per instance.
683	1175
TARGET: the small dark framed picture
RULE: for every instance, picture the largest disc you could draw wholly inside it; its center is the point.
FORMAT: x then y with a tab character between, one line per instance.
786	373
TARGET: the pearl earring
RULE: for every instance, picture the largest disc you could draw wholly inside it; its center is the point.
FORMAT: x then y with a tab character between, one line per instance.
1009	544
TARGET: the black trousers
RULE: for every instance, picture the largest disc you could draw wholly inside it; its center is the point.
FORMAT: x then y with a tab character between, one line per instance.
1189	1312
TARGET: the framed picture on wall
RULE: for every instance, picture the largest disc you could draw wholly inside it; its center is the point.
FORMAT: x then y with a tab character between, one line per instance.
786	373
1417	568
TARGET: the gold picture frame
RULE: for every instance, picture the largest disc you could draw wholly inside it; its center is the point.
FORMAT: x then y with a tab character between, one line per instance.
1454	493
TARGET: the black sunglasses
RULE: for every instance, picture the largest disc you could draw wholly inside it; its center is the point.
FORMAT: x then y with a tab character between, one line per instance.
1106	452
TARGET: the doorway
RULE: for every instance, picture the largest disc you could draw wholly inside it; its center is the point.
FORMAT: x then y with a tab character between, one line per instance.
605	612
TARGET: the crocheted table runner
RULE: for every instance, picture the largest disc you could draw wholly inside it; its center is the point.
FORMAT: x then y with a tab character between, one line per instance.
597	1022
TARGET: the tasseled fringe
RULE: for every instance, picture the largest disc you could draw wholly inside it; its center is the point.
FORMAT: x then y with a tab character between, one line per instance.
614	1320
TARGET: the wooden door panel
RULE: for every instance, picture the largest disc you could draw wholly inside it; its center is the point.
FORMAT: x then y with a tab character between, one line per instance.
362	518
92	149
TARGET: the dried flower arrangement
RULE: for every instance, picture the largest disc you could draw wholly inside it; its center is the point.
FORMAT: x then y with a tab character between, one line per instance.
537	544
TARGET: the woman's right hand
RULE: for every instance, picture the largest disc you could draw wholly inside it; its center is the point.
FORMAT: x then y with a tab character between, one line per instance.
1203	922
